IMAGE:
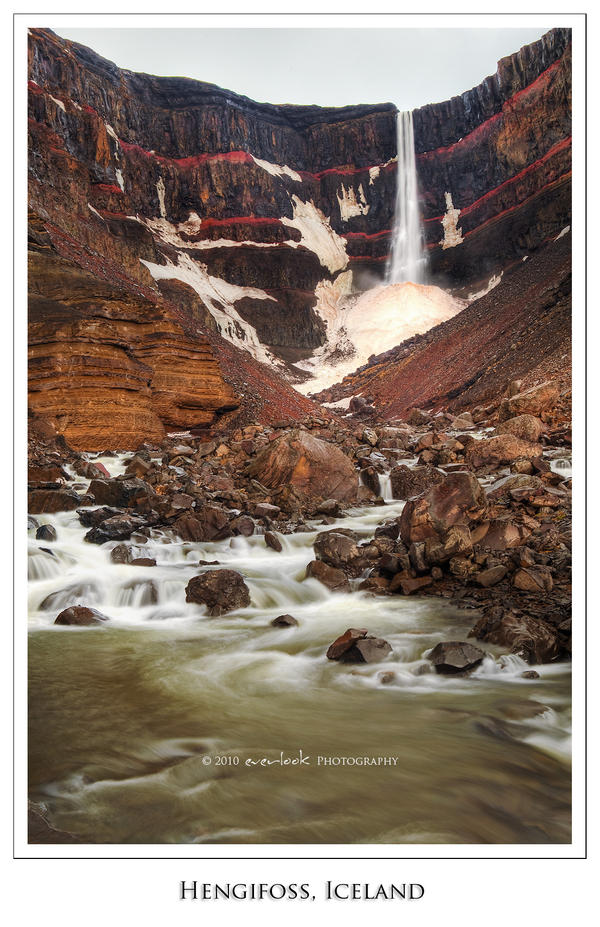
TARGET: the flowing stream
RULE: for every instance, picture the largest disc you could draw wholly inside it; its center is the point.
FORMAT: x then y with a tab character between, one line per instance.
407	260
140	731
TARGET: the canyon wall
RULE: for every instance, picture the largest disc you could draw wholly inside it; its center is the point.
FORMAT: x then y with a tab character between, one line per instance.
221	218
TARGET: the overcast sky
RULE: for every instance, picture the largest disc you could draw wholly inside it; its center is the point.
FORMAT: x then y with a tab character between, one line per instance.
329	67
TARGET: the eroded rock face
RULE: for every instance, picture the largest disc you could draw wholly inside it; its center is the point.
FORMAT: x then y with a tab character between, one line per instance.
310	466
221	591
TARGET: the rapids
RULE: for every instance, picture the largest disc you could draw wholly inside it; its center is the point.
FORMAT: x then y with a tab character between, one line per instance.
140	730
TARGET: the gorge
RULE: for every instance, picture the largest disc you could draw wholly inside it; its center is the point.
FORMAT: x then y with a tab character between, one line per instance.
299	469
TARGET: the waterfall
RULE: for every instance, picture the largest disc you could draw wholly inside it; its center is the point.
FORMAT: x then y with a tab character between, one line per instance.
407	260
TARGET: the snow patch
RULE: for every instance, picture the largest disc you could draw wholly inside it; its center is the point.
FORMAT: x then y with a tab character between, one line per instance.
452	234
352	203
111	131
565	231
119	176
277	170
95	211
218	296
317	234
160	190
372	323
171	234
492	282
58	102
373	174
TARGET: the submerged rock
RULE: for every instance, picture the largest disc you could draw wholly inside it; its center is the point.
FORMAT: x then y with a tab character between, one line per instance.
334	579
356	645
284	621
531	638
45	533
221	591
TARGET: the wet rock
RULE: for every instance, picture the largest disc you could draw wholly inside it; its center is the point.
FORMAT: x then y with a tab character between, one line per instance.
499	450
330	507
80	616
138	467
47	501
370	479
284	621
221	591
337	548
455	657
531	638
410	584
272	541
242	525
89	518
45	533
386	678
457	499
266	510
32	523
345	641
210	523
121	554
122	493
407	481
367	650
143	562
530	674
310	466
527	427
334	579
116	528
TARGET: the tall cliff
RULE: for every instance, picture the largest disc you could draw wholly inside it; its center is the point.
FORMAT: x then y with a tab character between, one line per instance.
231	217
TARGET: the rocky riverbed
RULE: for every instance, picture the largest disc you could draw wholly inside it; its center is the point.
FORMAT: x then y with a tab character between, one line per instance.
330	586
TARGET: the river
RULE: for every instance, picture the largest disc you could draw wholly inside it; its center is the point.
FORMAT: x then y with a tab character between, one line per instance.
152	729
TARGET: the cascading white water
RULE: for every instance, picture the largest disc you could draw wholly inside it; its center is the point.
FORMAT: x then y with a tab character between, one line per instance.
407	260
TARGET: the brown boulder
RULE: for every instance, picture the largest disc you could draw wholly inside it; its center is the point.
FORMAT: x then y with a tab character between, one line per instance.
272	541
48	501
527	427
118	492
284	621
499	450
210	523
221	591
345	641
455	657
80	616
532	401
458	499
310	466
533	580
337	548
411	481
531	638
335	580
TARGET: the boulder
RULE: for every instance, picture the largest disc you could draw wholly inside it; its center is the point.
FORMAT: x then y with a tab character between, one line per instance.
532	401
335	580
311	467
370	479
242	525
80	616
367	650
121	554
210	523
533	580
499	450
500	534
117	528
455	657
284	621
454	542
338	549
272	541
533	639
491	576
122	493
457	499
463	422
45	533
266	510
221	591
527	427
47	501
407	481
